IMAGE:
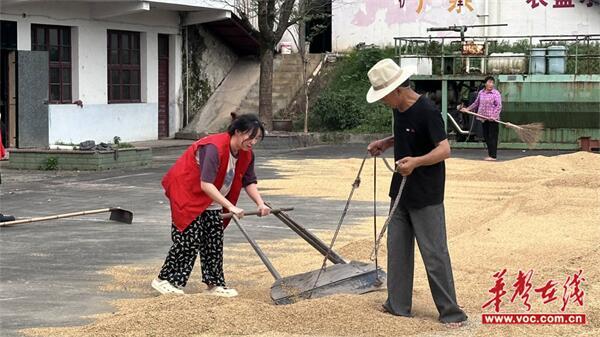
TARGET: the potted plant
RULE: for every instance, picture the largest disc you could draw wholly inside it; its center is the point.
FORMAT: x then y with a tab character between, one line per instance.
282	122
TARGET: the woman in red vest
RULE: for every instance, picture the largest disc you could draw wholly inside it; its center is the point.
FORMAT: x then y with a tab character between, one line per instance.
204	182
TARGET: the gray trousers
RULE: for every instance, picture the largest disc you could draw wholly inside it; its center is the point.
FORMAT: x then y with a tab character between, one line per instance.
428	226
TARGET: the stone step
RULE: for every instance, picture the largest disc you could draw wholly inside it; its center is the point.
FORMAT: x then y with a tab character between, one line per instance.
275	95
280	105
287	82
284	87
254	104
289	67
294	67
287	77
287	85
282	93
294	59
281	102
279	86
289	70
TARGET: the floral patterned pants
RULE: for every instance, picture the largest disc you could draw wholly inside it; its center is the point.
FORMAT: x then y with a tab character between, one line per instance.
203	236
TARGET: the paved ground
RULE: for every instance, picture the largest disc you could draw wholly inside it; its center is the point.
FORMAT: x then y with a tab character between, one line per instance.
48	270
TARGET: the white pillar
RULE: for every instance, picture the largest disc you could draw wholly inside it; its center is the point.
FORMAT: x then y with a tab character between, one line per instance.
23	35
149	67
75	78
175	87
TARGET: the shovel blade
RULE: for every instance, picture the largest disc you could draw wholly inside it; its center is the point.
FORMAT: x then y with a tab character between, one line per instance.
121	215
351	278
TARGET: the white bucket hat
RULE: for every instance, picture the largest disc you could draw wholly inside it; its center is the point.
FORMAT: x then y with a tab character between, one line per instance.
385	76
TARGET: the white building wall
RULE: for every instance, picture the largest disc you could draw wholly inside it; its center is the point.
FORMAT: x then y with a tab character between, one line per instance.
216	60
99	120
69	123
92	81
379	21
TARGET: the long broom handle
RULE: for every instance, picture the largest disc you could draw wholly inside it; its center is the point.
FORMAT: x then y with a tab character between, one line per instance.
53	217
511	125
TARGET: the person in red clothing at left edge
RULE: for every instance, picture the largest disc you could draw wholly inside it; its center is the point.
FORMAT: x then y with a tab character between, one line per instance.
204	182
2	151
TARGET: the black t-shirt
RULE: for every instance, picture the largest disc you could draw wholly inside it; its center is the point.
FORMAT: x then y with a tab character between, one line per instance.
417	131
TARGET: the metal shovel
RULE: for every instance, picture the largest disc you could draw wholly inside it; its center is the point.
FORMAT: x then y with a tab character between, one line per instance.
116	214
349	278
352	277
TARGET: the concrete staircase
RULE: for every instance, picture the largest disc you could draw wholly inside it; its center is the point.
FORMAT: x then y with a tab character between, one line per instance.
239	93
216	113
287	82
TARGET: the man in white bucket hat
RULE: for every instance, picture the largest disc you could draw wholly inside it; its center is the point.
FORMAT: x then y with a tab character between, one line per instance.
420	148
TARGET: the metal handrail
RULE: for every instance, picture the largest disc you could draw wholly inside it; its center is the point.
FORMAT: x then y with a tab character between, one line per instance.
523	37
404	43
456	126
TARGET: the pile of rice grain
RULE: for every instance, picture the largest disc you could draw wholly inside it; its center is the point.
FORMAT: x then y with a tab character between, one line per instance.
537	213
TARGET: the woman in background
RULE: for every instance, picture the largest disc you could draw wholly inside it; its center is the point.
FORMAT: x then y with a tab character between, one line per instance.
489	105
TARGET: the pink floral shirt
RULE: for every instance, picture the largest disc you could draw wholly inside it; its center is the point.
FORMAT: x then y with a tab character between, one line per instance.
488	104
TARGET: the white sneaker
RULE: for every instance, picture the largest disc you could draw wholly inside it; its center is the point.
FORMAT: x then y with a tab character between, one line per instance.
164	287
221	291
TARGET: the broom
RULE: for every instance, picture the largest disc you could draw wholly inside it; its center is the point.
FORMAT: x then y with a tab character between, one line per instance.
528	133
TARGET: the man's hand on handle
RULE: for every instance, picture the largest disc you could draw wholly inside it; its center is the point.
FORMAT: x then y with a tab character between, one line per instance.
406	165
376	148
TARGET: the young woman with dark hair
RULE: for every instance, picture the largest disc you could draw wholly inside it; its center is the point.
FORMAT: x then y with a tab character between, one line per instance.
204	182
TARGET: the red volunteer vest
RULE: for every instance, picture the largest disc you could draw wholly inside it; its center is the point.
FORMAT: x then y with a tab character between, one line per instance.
182	181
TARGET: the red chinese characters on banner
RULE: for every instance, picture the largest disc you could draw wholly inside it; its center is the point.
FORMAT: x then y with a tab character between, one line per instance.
563	4
458	5
420	6
559	3
497	290
535	3
572	290
590	3
576	293
522	288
